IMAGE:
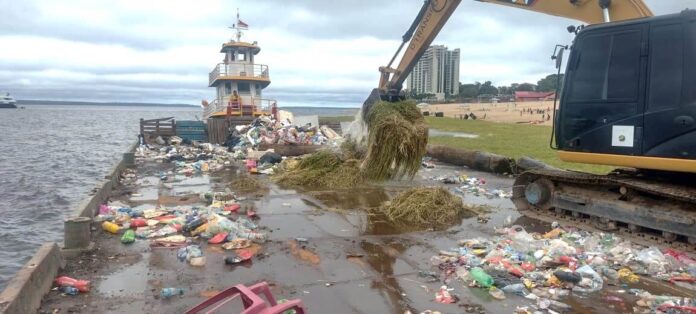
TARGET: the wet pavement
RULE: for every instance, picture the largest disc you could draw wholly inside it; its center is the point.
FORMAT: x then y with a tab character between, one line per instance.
352	262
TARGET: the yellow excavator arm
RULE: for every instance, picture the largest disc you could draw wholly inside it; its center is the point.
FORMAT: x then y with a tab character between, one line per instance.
588	11
435	13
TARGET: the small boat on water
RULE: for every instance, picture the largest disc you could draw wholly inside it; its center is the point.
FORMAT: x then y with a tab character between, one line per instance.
239	81
7	101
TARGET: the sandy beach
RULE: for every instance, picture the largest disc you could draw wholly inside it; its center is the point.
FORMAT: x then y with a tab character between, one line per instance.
508	112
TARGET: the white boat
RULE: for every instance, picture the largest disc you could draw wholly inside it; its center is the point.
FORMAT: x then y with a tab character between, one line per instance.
7	101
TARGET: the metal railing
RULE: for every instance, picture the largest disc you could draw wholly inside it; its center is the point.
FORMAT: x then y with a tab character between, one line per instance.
238	69
248	106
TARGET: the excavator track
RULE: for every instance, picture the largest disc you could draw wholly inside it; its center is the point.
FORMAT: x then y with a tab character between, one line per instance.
651	210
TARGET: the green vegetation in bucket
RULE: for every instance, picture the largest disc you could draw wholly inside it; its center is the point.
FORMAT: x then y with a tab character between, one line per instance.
428	207
396	142
322	169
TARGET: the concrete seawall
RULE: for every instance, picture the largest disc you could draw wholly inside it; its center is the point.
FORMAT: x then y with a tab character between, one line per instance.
24	292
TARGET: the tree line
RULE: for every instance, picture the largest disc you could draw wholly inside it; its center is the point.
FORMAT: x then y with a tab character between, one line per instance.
473	90
476	89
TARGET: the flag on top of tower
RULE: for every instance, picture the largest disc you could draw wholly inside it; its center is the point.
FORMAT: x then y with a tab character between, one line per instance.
241	24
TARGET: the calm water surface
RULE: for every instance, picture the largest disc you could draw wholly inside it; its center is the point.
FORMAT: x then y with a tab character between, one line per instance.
50	158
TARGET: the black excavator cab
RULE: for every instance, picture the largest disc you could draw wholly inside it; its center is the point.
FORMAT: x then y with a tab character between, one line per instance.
630	89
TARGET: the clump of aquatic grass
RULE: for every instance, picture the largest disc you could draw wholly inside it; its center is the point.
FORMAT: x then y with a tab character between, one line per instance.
351	150
247	184
397	139
427	207
322	169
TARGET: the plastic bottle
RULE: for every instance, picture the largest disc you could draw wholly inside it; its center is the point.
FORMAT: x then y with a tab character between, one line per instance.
567	276
128	237
167	293
70	290
193	224
481	277
110	227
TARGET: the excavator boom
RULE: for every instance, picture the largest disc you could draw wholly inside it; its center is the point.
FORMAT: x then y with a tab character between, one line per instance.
435	13
588	11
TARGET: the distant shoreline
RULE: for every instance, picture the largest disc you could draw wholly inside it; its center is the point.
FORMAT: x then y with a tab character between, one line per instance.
29	102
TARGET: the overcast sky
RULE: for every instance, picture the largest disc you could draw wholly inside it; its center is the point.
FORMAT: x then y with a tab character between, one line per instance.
320	52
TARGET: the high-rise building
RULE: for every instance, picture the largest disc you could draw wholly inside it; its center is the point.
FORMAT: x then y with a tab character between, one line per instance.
437	72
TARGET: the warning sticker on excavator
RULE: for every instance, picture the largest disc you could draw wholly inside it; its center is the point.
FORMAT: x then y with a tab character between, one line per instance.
622	135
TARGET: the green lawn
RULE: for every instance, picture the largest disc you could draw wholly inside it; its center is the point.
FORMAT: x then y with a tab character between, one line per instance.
512	140
336	118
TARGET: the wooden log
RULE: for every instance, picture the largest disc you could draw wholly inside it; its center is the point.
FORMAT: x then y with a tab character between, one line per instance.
528	163
478	160
291	150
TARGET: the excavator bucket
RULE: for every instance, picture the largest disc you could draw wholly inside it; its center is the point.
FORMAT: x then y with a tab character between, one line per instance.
374	97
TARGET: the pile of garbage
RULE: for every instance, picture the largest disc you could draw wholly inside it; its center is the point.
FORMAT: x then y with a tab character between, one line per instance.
548	267
224	221
188	157
266	130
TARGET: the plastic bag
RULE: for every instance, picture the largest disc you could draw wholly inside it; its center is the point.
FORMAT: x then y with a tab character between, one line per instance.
559	248
65	281
218	224
653	260
591	281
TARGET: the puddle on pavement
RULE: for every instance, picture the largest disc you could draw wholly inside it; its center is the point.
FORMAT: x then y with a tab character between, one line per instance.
129	281
436	132
384	259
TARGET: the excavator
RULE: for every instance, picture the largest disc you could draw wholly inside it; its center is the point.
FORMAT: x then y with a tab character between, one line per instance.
628	100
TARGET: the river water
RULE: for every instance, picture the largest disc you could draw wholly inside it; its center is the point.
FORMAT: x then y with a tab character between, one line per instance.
51	156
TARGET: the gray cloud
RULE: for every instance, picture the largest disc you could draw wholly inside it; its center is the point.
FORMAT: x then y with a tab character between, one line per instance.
500	44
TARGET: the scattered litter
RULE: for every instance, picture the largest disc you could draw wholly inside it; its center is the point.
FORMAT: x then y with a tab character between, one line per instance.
549	266
444	296
167	293
239	257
